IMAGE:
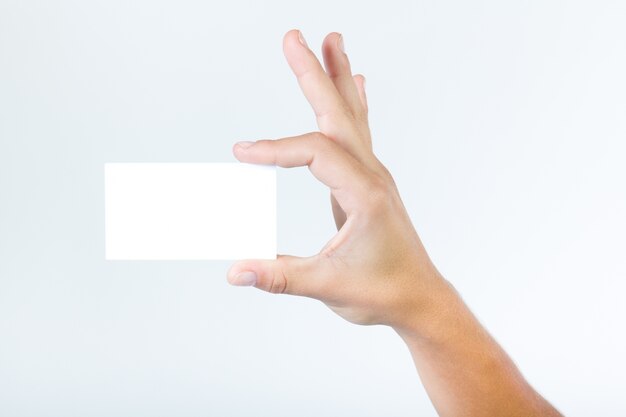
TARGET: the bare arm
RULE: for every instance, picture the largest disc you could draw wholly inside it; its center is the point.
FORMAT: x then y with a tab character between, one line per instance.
376	270
464	370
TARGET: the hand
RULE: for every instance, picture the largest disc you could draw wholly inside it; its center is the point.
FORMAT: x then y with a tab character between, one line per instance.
375	269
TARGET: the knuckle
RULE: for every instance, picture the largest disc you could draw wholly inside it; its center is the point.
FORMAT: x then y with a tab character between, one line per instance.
380	171
387	177
379	191
278	284
319	142
318	139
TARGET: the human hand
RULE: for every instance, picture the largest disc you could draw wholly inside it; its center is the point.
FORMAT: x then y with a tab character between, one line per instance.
375	269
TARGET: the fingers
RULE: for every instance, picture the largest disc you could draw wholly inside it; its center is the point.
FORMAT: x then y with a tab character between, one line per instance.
286	275
359	81
328	162
339	71
319	90
334	116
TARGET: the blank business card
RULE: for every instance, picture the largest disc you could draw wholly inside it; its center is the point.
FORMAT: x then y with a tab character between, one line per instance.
169	211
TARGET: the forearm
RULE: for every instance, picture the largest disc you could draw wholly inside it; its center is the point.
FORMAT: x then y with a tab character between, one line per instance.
464	370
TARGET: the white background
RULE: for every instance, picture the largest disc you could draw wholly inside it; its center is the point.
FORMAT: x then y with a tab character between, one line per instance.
503	122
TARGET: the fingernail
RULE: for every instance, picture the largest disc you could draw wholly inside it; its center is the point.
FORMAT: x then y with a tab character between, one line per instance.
245	144
364	79
340	43
301	38
246	278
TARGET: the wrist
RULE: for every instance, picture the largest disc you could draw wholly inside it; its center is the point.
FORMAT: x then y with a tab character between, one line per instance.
428	310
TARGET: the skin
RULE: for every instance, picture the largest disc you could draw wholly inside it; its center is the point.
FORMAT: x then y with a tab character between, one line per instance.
375	270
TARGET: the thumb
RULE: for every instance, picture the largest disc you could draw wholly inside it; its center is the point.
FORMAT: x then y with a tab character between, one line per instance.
285	275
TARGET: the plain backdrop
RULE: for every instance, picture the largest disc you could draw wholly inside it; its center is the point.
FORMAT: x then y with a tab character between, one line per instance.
503	123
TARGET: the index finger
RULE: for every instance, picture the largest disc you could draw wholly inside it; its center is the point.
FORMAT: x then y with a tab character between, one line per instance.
328	162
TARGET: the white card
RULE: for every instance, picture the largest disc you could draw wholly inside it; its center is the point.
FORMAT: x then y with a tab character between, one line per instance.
189	211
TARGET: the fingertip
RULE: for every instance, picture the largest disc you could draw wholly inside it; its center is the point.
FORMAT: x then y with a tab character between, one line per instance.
240	147
294	39
291	34
237	152
359	79
332	40
298	55
244	279
241	274
232	271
